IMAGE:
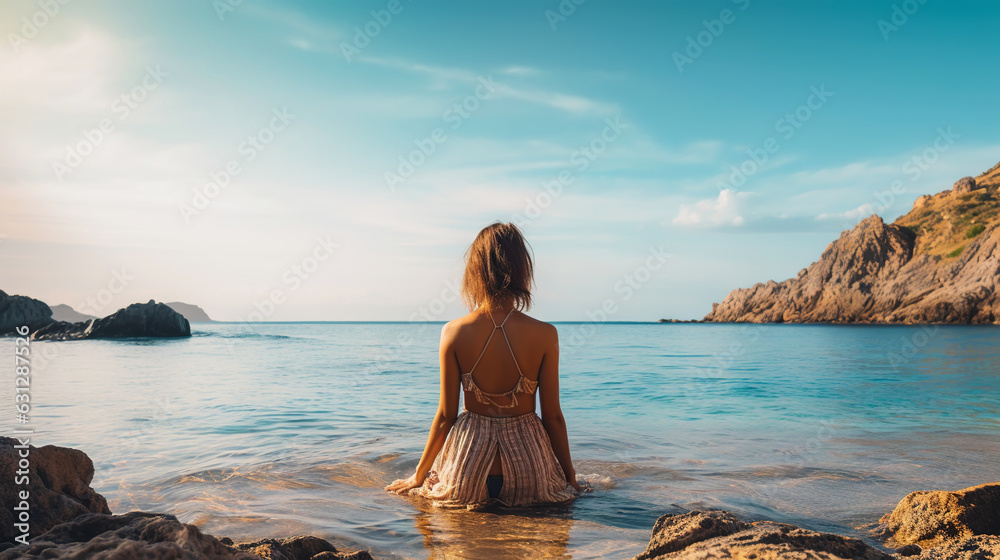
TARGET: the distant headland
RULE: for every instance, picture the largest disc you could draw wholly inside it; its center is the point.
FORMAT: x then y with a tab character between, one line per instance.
937	264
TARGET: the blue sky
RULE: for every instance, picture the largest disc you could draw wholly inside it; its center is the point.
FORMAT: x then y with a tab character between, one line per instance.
249	166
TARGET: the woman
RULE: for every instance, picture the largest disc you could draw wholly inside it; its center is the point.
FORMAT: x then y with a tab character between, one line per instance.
497	448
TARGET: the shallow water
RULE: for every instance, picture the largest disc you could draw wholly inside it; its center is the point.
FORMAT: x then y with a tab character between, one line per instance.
275	429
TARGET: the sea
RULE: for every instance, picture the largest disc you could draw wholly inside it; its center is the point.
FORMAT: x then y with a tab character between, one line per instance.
277	429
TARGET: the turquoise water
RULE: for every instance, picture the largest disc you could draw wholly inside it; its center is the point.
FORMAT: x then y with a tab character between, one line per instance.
275	429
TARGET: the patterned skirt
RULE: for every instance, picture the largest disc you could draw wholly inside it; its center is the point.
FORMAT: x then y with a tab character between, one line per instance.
531	472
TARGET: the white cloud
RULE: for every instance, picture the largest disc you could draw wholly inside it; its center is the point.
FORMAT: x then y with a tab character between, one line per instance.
725	210
863	211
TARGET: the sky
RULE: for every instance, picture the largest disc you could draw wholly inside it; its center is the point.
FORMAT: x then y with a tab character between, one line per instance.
308	160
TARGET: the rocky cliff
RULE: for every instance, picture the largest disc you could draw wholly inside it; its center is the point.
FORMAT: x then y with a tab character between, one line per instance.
16	311
937	264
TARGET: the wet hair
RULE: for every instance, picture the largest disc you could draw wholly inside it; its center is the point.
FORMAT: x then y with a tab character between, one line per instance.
498	269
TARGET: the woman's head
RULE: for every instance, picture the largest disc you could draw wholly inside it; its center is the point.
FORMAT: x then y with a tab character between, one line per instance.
498	269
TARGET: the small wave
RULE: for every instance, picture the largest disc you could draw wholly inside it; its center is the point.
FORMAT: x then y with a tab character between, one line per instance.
598	481
387	457
245	335
360	475
264	475
792	472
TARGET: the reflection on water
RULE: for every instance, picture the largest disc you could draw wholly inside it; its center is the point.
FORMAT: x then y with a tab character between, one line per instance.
296	429
494	534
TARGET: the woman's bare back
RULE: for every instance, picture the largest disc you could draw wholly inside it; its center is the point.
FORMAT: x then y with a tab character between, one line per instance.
496	372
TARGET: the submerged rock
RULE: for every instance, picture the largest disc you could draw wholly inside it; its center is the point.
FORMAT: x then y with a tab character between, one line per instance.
296	548
16	311
149	319
719	534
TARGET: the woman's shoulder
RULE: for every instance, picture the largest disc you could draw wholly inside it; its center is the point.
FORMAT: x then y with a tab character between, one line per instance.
523	321
454	328
541	326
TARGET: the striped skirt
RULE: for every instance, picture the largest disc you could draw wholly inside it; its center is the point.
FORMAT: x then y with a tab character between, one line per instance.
531	472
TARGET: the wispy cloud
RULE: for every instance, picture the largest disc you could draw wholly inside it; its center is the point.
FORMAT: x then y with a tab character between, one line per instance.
443	77
521	71
303	32
855	214
68	76
564	102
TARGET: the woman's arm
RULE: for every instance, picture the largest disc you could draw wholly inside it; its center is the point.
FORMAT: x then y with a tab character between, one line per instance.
445	417
552	416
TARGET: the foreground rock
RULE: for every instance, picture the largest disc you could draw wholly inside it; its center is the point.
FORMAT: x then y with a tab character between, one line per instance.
720	534
155	535
68	519
149	319
962	524
16	311
940	263
58	486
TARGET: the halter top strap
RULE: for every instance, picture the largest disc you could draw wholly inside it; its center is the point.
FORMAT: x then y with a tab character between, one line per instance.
488	340
524	385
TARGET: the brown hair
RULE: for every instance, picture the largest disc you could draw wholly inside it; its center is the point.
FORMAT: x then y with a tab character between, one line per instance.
498	269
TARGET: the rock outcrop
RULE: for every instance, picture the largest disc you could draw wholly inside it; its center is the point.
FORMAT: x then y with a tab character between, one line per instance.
68	519
719	534
58	485
63	312
192	313
16	311
965	185
149	319
939	263
139	534
947	524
